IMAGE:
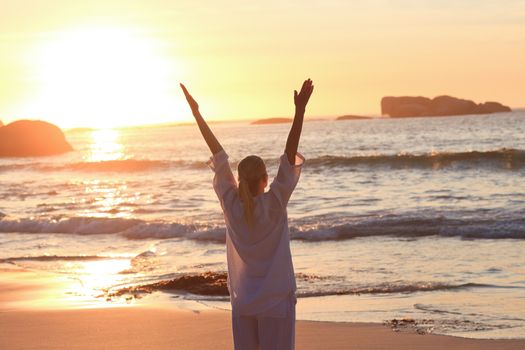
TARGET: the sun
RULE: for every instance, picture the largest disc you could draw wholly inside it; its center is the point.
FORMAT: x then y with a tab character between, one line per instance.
102	77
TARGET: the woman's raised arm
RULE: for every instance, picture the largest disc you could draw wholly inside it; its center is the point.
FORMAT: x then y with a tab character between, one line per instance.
209	137
300	100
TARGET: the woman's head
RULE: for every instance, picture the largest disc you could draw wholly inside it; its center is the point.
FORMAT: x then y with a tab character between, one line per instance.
253	179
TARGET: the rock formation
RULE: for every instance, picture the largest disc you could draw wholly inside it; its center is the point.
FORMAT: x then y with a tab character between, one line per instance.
352	117
30	138
409	106
272	121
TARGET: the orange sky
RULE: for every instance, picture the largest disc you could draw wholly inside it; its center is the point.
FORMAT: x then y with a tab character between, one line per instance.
118	62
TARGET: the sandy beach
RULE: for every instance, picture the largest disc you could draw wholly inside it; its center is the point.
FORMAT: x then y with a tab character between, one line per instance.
33	315
153	328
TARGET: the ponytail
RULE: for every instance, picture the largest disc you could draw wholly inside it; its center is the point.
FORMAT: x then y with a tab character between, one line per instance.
251	171
247	200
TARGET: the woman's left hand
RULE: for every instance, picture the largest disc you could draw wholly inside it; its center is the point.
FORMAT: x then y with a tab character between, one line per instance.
191	101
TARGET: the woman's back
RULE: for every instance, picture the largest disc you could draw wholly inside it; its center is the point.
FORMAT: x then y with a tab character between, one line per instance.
260	269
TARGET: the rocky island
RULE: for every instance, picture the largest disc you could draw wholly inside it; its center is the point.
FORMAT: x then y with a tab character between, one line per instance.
32	138
352	117
272	121
412	106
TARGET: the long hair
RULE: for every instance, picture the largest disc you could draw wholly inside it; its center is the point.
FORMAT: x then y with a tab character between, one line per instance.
251	171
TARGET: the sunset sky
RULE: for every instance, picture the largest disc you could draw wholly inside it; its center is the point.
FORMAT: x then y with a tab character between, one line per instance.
118	62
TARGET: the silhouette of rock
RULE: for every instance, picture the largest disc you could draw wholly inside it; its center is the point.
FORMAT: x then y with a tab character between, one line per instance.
409	106
447	105
30	138
352	117
491	107
404	106
272	121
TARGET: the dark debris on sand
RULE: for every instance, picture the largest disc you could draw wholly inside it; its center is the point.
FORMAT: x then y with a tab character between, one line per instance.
207	283
440	326
410	325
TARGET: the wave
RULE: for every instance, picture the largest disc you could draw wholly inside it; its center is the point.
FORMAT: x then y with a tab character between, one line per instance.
505	158
128	228
393	288
119	165
215	284
400	226
44	258
76	225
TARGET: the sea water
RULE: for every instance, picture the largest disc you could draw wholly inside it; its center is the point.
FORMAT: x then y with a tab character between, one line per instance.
421	220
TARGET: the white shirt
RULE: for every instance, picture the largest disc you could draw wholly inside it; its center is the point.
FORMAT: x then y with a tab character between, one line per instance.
260	269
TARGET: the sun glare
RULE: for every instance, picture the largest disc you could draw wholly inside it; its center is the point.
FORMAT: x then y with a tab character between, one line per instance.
102	77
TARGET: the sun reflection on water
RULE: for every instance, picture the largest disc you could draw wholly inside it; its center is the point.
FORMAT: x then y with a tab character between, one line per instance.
106	198
105	146
109	199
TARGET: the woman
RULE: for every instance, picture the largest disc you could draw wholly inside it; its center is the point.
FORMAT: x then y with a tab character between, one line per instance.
261	278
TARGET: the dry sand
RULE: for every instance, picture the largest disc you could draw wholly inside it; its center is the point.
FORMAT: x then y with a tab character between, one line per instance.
151	328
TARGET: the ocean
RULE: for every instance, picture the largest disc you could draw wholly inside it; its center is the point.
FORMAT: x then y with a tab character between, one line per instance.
416	222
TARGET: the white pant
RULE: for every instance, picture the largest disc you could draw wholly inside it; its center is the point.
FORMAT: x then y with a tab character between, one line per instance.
262	332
